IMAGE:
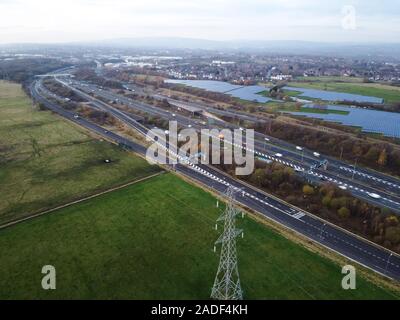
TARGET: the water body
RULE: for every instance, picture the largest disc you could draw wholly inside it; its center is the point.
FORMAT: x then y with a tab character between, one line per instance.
334	96
373	121
249	93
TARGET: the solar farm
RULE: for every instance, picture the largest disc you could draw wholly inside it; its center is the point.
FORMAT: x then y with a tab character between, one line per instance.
372	121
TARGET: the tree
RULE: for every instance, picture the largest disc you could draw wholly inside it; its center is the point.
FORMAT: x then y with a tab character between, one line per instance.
372	154
393	234
343	212
258	177
326	201
308	190
382	160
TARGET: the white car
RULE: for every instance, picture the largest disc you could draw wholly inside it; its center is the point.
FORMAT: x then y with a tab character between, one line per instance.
266	139
174	115
279	155
76	116
299	148
343	187
189	126
374	195
316	154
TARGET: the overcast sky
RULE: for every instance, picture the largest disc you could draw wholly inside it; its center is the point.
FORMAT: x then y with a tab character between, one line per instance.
313	20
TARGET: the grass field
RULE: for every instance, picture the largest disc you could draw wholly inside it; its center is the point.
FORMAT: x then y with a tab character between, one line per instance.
154	240
388	93
332	79
316	110
46	161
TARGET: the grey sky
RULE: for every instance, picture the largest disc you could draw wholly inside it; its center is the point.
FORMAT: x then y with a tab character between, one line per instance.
82	20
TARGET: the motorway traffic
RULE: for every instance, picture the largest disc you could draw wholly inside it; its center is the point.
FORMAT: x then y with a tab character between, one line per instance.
370	186
326	234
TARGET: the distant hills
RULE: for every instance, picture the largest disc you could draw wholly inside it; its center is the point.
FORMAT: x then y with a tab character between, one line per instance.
274	47
281	47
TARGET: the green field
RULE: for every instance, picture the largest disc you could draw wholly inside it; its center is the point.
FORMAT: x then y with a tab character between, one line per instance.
314	110
154	240
46	161
389	93
291	93
332	79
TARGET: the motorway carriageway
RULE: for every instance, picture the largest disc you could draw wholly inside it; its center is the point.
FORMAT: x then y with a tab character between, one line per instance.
360	186
330	236
307	157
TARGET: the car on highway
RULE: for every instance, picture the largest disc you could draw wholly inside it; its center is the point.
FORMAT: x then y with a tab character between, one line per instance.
343	187
316	154
299	148
374	195
76	116
279	155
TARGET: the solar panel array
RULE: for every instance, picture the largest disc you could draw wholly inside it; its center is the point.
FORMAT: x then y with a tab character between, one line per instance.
386	123
382	122
334	96
249	93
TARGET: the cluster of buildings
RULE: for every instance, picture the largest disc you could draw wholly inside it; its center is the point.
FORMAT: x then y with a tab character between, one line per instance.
245	68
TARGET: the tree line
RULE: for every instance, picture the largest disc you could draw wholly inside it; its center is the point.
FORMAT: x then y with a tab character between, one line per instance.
326	201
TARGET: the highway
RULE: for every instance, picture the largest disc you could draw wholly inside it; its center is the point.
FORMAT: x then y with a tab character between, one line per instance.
336	239
361	183
373	179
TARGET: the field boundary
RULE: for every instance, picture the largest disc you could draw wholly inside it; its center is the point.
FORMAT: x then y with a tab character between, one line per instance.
36	215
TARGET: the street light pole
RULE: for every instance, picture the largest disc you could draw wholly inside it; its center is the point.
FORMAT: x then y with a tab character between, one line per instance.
354	170
387	262
322	228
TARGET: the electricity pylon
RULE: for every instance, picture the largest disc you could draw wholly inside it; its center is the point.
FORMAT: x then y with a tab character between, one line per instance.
227	281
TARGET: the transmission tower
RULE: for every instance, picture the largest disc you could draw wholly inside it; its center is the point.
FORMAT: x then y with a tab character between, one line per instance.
227	281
